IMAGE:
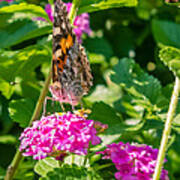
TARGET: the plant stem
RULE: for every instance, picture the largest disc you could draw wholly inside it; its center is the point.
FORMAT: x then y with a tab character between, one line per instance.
104	166
18	156
167	129
74	10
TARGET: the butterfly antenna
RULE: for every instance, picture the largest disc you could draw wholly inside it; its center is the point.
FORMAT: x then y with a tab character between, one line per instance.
44	105
69	96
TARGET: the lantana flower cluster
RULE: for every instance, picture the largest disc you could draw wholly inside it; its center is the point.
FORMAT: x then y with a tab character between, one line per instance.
58	134
81	22
133	161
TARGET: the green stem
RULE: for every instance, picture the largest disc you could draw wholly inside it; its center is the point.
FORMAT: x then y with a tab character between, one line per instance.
74	10
167	130
18	156
104	166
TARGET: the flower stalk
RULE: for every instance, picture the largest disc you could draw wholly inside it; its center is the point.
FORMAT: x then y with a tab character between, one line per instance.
167	130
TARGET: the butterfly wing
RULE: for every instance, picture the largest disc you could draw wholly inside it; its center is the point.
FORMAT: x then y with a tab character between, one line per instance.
70	67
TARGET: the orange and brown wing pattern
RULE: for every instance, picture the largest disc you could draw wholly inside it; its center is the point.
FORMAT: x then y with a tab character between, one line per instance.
63	39
71	70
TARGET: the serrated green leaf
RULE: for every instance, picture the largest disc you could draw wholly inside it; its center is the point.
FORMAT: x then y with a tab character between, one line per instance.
21	111
46	165
171	57
97	5
166	32
76	159
38	11
49	169
128	74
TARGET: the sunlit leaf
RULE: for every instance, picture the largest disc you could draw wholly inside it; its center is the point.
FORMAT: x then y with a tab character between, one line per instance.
6	88
49	169
130	75
21	30
96	5
38	11
21	111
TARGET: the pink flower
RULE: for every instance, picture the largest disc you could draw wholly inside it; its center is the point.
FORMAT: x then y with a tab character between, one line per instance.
57	135
81	22
133	161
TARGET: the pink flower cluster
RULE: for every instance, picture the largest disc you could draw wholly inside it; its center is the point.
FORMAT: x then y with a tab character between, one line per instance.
58	134
133	161
81	22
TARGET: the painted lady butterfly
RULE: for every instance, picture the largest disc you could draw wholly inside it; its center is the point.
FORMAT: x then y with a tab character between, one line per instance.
71	72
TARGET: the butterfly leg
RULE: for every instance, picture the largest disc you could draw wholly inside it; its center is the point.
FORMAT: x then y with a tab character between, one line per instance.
71	102
45	104
81	104
62	107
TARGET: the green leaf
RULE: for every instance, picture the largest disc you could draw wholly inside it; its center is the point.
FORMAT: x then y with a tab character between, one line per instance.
97	5
21	111
22	63
7	139
77	159
128	74
105	94
166	32
99	46
105	114
22	30
6	88
171	57
49	169
37	11
46	165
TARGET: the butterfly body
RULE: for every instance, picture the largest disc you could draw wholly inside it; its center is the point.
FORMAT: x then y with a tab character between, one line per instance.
70	67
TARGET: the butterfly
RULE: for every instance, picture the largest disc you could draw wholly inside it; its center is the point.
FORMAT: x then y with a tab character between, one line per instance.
71	73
